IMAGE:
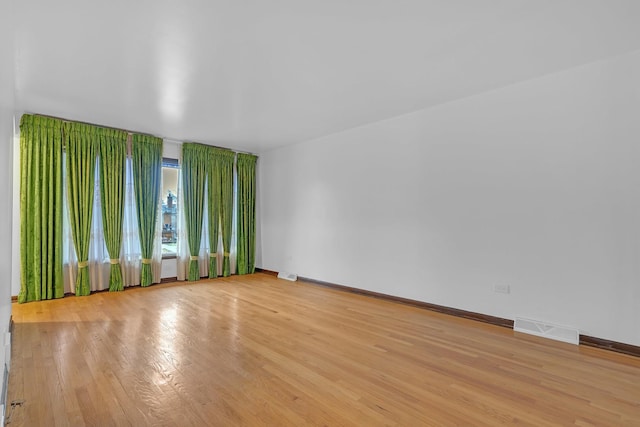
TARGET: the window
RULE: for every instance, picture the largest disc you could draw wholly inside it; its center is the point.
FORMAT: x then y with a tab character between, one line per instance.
169	195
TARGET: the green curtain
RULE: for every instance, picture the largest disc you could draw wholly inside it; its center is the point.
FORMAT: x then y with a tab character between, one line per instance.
220	188
246	213
225	169
40	209
113	155
81	145
146	155
213	204
194	176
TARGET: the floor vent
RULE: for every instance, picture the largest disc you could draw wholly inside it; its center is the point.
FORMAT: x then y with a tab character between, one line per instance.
287	276
547	330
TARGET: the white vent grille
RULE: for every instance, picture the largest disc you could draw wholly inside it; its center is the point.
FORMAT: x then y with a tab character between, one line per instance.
287	276
547	330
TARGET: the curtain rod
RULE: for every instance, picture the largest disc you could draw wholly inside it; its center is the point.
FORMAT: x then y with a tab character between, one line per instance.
130	132
217	146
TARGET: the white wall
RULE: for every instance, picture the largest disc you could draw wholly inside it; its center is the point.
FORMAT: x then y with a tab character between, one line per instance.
7	59
535	185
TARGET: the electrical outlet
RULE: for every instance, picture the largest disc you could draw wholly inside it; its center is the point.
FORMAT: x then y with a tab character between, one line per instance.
502	289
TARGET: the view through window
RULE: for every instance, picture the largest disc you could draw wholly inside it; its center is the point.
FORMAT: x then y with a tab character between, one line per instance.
170	173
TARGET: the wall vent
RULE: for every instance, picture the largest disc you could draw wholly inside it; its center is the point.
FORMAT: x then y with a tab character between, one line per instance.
287	276
547	330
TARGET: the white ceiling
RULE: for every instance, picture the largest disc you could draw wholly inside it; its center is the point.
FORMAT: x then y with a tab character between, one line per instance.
255	74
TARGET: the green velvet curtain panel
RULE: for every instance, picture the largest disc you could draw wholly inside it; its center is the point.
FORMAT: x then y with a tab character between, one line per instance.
146	155
220	188
82	151
213	188
113	156
246	213
225	168
40	209
194	177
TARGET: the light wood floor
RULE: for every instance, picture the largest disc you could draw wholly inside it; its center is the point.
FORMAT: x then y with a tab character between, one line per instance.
254	350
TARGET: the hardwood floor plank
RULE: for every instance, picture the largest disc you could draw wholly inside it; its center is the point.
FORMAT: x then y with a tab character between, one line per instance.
254	350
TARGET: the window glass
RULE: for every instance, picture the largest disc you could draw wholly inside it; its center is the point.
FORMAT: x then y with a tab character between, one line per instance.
170	169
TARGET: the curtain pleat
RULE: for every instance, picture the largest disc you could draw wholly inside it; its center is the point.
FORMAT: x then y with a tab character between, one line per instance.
40	209
146	155
113	156
81	148
194	174
246	213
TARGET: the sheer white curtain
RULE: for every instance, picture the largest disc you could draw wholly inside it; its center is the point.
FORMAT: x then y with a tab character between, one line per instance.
130	253
182	256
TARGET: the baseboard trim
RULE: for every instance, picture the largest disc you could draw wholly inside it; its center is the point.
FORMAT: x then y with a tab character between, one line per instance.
585	340
618	347
498	321
265	271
